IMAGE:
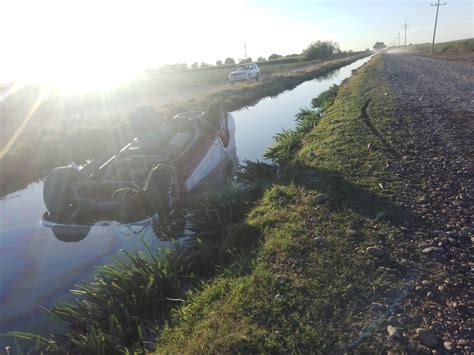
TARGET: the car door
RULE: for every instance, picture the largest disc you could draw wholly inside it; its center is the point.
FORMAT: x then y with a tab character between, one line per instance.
209	169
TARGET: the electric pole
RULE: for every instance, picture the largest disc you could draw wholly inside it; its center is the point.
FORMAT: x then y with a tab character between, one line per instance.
245	50
436	22
405	27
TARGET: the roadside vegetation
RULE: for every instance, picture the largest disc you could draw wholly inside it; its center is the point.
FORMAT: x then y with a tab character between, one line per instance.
456	50
301	259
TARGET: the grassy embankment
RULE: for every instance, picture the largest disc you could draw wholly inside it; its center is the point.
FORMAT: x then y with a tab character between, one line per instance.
290	272
462	49
55	136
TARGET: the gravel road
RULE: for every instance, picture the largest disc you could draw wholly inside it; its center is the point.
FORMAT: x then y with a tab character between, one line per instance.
435	120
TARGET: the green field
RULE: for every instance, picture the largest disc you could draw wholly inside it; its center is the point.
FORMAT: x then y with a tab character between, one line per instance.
191	78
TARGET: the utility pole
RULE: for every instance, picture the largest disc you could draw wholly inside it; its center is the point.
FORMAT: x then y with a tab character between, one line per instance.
245	50
405	27
436	22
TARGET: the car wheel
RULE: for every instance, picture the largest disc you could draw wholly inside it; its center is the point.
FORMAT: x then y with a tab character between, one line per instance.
58	193
162	189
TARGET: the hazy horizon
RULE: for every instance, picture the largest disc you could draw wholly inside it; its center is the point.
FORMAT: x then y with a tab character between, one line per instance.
113	40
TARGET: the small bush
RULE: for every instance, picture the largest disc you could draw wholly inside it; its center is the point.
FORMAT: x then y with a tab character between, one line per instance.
321	50
325	99
229	61
275	56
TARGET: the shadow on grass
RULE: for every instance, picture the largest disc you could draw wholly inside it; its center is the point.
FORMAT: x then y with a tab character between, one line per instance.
344	194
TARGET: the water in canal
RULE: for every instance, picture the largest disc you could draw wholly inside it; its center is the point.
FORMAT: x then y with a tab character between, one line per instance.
37	267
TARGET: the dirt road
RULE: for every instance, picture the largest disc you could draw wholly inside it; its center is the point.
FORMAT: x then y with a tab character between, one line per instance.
436	120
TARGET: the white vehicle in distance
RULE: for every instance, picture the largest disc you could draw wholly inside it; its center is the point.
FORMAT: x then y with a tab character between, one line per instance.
243	72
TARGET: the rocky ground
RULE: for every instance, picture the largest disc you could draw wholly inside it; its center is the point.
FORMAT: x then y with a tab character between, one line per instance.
434	139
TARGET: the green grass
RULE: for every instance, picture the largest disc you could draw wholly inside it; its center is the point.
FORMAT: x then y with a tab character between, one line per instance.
310	285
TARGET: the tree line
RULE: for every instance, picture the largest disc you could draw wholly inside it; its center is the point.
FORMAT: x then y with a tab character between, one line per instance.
315	50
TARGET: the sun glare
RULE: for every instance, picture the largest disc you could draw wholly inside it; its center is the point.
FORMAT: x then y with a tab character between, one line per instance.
81	76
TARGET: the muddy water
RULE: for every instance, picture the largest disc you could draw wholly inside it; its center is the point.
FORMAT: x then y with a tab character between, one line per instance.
38	265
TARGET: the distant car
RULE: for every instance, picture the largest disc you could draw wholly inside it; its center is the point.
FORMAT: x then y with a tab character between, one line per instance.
249	71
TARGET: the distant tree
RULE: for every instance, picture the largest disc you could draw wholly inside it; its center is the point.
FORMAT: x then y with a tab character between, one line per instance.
291	55
219	62
367	50
205	65
195	65
261	59
180	66
275	56
229	61
379	46
243	61
321	50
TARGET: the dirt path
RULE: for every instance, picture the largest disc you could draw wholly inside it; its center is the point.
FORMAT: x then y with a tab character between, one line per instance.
436	119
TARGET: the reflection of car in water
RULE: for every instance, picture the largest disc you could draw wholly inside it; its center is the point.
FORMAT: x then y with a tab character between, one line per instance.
153	174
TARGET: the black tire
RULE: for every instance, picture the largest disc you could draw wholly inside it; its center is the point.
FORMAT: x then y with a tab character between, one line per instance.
70	234
57	190
163	190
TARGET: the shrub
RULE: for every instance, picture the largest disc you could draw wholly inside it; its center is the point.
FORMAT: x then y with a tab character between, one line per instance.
379	45
229	61
325	99
321	50
275	56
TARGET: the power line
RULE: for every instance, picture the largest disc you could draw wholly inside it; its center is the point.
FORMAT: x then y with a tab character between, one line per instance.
405	27
436	23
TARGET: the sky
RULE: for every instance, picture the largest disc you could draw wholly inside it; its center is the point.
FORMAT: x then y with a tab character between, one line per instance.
78	40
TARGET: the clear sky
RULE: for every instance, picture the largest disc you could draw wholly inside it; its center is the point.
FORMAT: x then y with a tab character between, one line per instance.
54	38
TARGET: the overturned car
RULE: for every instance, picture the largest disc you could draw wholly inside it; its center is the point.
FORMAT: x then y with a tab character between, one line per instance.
153	174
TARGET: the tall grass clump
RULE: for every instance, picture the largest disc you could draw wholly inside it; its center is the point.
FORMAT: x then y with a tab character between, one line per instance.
326	98
122	304
289	141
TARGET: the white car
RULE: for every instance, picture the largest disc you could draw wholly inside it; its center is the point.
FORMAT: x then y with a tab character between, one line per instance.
249	71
